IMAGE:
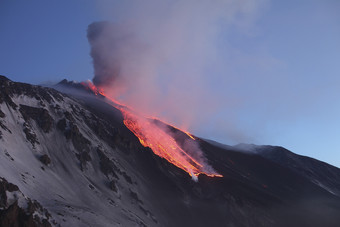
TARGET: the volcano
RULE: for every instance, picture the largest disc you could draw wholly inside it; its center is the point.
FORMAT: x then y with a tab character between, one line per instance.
158	136
70	156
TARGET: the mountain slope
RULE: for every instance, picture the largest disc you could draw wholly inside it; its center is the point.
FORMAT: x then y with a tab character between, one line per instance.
320	173
71	153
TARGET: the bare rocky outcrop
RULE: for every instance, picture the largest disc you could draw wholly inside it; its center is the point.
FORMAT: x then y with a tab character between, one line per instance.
2	114
10	88
106	165
30	134
71	132
39	115
45	159
83	158
32	214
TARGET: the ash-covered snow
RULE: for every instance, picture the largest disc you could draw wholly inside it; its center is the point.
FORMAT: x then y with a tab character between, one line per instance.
70	161
73	196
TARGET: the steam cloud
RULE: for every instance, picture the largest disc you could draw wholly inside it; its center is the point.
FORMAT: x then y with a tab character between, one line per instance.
158	56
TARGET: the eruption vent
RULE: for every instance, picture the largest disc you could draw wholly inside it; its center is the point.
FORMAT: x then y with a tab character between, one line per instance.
123	66
161	140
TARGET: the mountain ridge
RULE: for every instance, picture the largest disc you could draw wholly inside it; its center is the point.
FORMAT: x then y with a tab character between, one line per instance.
71	152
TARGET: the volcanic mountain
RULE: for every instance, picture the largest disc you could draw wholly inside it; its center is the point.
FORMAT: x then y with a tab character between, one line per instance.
69	157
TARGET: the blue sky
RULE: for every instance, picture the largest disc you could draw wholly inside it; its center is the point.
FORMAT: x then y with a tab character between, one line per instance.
278	68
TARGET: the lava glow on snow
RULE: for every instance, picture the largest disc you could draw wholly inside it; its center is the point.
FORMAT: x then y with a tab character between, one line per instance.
161	142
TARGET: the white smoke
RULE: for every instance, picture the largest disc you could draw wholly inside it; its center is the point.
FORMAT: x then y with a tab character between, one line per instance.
158	56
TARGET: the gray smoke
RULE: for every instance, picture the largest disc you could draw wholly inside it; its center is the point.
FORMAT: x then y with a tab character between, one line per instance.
159	56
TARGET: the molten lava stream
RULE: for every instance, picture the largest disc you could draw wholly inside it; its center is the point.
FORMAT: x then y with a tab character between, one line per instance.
158	139
162	144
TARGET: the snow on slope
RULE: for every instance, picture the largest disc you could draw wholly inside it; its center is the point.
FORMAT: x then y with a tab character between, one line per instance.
75	158
74	187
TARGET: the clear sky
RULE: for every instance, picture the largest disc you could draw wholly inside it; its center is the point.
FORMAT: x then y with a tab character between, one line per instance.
279	66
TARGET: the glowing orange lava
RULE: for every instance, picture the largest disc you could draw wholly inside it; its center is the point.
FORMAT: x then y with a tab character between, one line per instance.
158	138
88	85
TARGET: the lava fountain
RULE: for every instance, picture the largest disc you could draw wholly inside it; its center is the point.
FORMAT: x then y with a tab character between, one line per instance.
159	139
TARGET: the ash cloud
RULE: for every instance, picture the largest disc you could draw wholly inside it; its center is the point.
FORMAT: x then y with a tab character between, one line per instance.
161	56
110	44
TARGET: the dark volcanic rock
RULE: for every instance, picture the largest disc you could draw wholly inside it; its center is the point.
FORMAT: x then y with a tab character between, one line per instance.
5	186
40	115
83	157
68	116
3	78
106	165
113	186
72	133
14	215
127	177
30	135
61	125
79	141
2	114
3	126
6	92
102	129
135	197
9	89
17	216
76	86
45	159
316	171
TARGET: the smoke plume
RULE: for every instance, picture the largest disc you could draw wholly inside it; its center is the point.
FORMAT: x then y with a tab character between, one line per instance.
160	56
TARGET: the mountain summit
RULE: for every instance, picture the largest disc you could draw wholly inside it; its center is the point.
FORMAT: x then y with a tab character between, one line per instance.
68	159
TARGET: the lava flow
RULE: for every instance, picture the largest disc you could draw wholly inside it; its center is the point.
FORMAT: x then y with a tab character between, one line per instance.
159	139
